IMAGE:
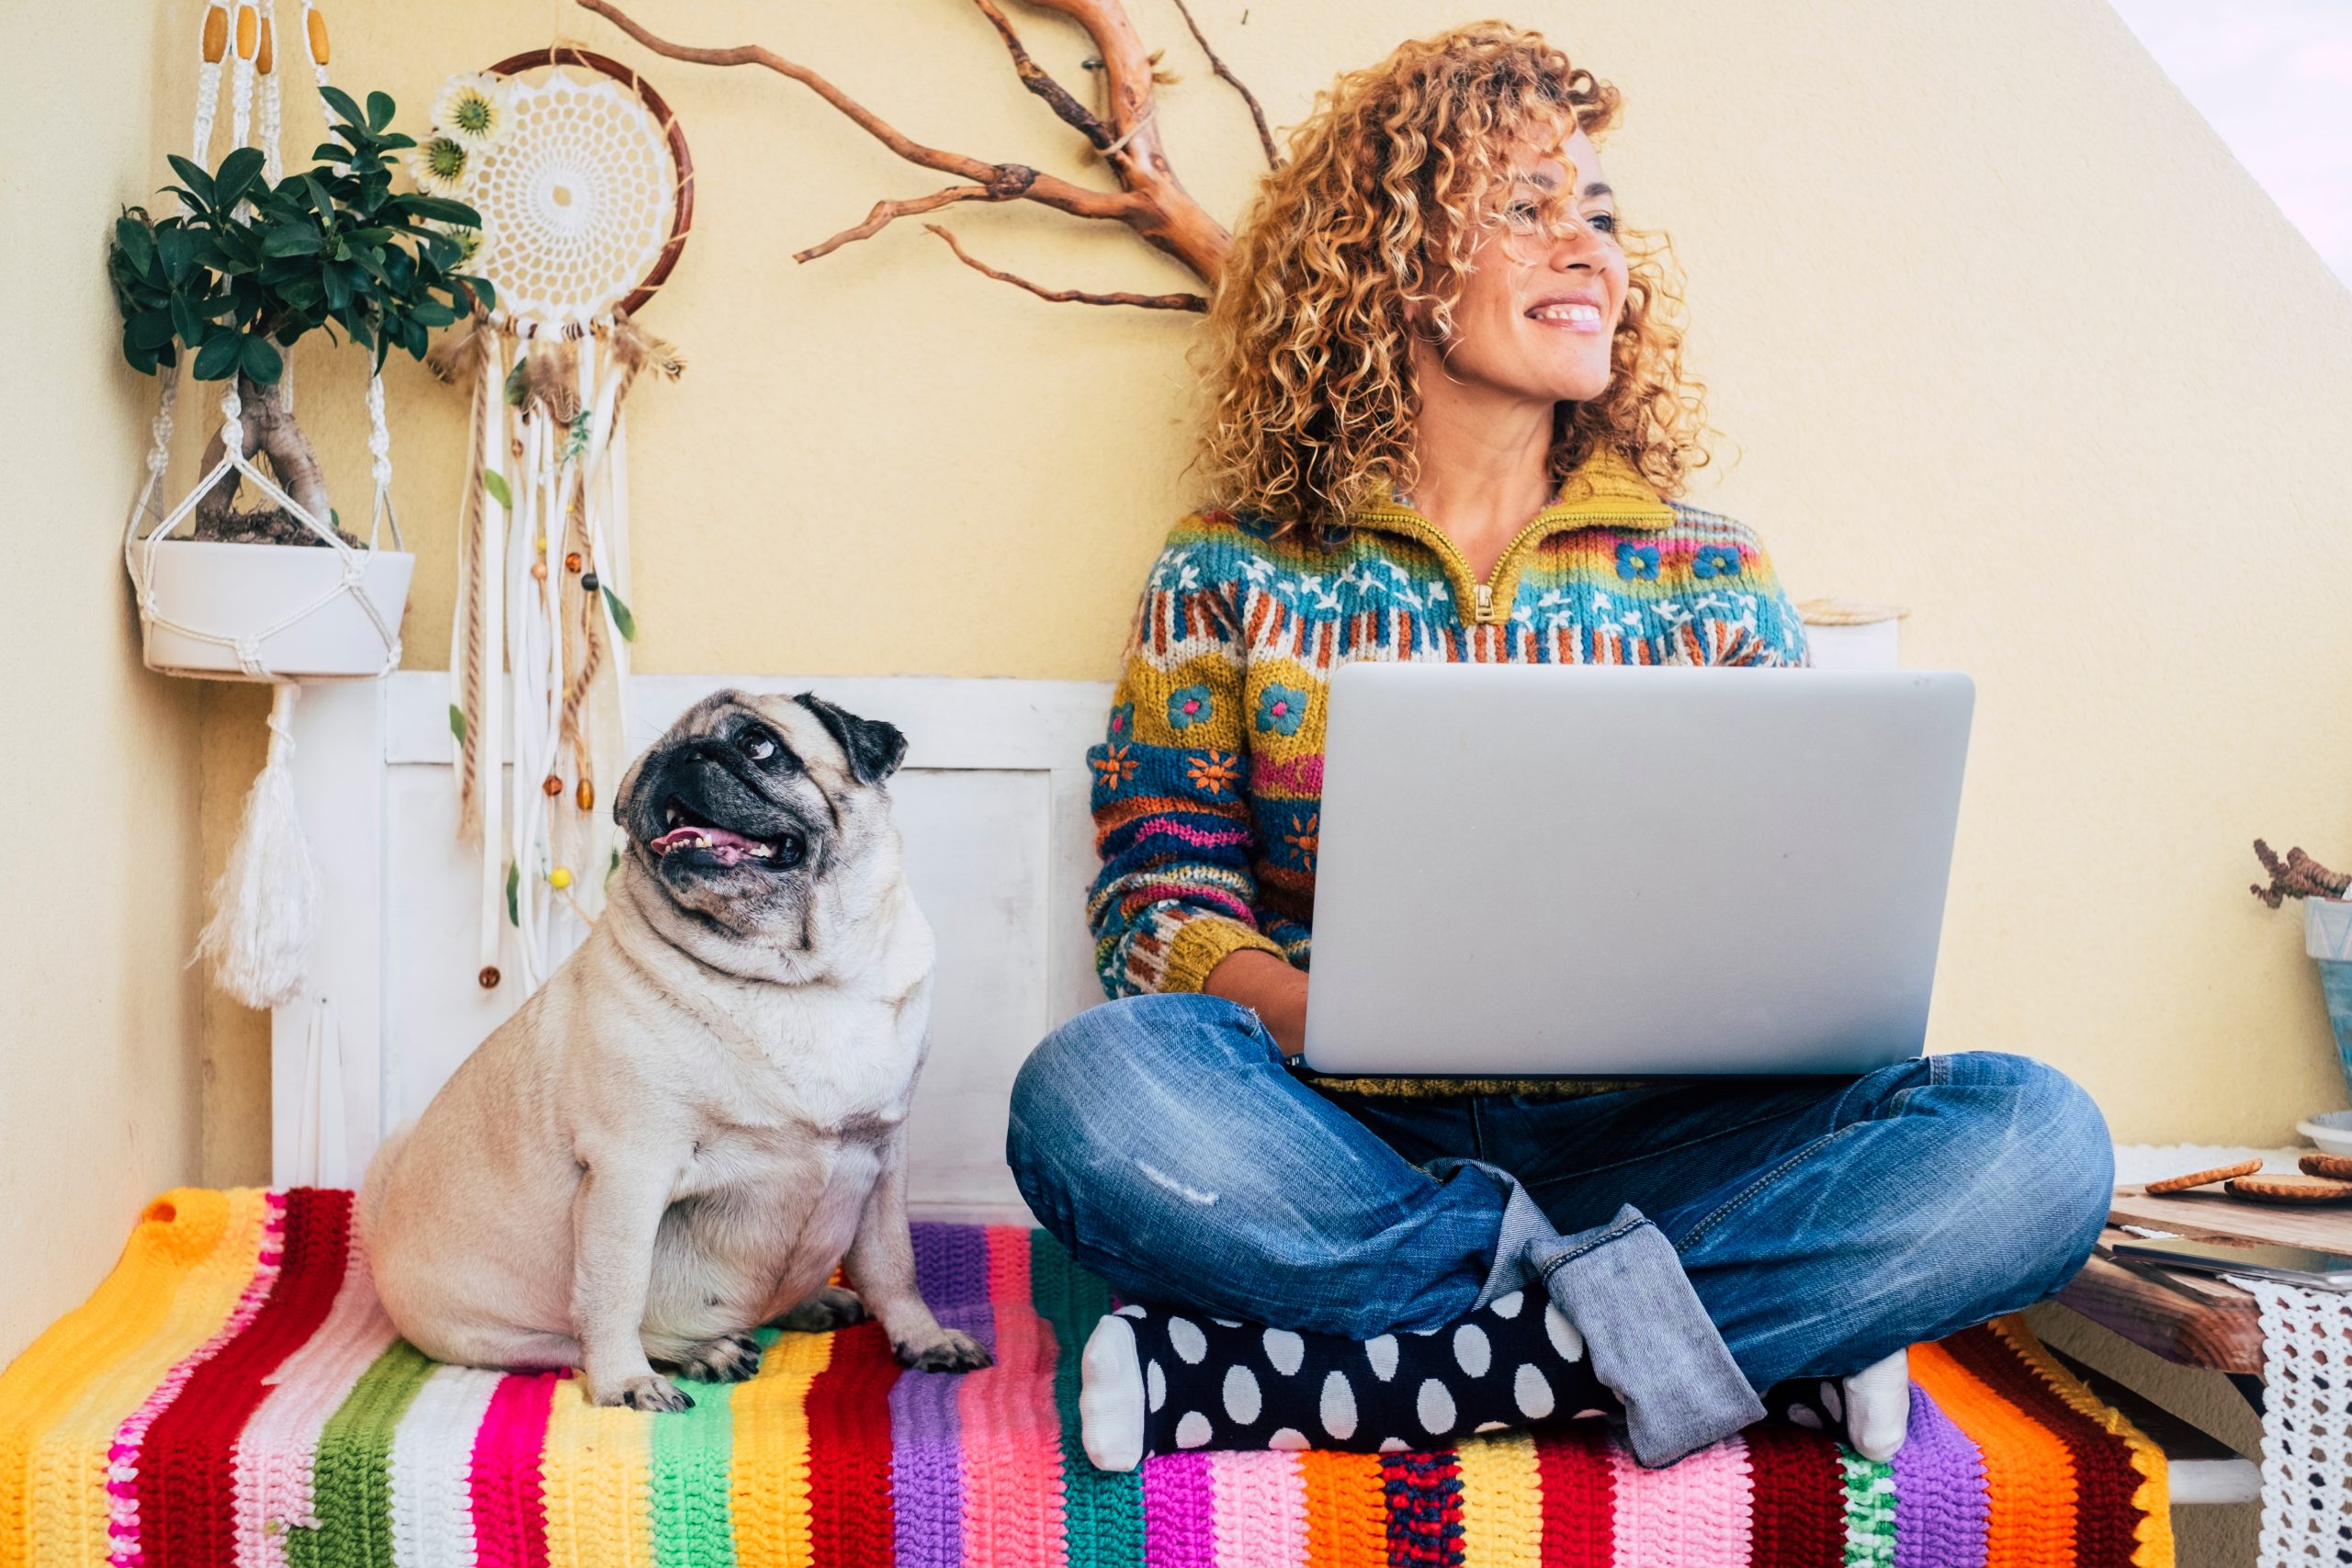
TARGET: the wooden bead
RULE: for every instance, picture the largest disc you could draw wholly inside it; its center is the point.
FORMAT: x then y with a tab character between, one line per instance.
571	562
539	569
588	581
586	795
216	34
268	55
559	878
248	31
489	976
553	786
318	30
540	544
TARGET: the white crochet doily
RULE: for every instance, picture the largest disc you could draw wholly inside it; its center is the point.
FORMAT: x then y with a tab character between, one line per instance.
2306	1426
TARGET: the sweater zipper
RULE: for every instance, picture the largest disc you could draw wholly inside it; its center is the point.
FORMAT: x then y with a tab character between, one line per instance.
1482	594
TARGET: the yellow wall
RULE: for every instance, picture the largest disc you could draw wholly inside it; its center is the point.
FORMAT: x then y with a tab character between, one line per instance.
1995	328
98	1067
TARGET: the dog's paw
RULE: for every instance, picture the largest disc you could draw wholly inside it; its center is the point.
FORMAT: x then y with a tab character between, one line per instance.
731	1358
650	1393
953	1352
829	1309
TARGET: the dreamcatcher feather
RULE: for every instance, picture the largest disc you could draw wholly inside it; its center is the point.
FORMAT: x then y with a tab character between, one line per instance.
585	190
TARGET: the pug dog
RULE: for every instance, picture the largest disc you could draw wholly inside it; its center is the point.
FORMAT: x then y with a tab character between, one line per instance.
704	1108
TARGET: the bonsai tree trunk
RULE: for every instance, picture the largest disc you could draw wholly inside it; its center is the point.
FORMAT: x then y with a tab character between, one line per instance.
267	428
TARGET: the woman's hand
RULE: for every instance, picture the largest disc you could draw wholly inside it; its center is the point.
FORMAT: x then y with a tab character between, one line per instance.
1257	979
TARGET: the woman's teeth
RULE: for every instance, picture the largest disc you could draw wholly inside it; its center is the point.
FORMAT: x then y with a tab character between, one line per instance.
1575	315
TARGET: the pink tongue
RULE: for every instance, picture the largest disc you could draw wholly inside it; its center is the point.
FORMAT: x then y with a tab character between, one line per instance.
729	846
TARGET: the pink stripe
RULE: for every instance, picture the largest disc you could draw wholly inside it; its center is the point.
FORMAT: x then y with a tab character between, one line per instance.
509	1518
276	1452
1696	1513
1301	776
1198	836
1013	1479
122	1454
1259	1510
1153	892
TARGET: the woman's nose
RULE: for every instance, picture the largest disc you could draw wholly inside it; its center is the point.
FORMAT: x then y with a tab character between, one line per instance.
1577	243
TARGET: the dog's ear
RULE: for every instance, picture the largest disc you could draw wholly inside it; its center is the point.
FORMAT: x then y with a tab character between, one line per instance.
875	749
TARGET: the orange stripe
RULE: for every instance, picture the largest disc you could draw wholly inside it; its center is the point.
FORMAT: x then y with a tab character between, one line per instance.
1347	1513
2028	1472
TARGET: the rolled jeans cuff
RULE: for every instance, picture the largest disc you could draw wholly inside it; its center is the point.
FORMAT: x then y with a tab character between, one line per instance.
1621	1284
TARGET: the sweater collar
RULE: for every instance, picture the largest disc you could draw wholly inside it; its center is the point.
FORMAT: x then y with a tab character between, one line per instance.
1604	488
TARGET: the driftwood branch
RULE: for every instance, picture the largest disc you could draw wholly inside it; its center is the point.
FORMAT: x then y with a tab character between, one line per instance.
2296	876
885	212
1073	296
1033	77
1151	201
1257	111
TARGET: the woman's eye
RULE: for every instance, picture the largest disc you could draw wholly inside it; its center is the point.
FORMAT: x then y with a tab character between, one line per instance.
1603	222
758	748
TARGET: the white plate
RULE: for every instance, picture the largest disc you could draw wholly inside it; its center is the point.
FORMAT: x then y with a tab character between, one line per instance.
2332	1131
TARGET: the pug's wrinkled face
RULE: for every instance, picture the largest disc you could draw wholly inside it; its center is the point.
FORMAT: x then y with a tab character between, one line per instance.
749	802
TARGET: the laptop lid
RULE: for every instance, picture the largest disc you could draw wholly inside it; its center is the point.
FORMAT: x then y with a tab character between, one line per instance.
1530	870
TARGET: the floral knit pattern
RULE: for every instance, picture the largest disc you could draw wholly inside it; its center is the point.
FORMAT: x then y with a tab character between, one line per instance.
1207	785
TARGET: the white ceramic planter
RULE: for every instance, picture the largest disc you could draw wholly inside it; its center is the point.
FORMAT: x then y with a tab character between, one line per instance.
240	592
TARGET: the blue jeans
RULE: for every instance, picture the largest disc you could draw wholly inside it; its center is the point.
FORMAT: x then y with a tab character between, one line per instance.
1707	1238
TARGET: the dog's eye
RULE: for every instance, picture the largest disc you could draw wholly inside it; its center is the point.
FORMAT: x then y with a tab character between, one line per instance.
758	747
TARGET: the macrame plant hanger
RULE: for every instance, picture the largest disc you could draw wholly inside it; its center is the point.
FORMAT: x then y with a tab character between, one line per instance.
265	903
585	201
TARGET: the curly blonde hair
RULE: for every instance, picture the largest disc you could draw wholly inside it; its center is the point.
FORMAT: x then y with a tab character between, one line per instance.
1306	360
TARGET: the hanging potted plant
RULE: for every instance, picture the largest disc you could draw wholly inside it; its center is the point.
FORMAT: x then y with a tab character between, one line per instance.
2326	898
278	589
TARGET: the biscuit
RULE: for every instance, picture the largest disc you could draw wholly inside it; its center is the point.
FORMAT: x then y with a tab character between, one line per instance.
2336	1167
2204	1178
2290	1190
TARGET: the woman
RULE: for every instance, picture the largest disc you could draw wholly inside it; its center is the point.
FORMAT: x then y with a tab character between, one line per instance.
1449	419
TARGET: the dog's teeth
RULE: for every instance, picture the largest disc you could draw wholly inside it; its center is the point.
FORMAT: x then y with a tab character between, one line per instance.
764	851
670	817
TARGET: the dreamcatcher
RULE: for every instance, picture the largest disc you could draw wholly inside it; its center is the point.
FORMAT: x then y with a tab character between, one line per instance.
585	189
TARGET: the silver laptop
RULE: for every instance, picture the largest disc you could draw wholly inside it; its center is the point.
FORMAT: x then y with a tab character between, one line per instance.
1531	870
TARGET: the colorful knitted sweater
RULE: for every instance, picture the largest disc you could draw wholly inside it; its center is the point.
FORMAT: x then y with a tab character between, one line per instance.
1207	783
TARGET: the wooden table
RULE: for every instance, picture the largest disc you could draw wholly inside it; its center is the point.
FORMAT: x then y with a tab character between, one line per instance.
2195	1320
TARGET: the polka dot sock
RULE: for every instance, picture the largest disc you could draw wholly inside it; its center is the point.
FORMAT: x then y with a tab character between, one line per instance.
1871	1410
1159	1382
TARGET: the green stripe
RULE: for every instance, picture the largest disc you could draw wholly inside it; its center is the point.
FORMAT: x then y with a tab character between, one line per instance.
352	1492
1869	1511
694	1451
1101	1513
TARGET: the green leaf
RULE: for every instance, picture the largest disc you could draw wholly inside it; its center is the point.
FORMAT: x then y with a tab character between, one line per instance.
341	102
621	618
238	172
176	248
137	244
151	330
380	109
458	723
288	240
262	361
442	210
219	356
186	320
518	384
513	895
197	183
493	484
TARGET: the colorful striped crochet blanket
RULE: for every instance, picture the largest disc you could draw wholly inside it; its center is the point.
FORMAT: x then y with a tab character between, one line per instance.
233	1394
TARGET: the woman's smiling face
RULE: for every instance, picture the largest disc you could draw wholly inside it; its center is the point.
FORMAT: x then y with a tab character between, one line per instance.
1539	309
